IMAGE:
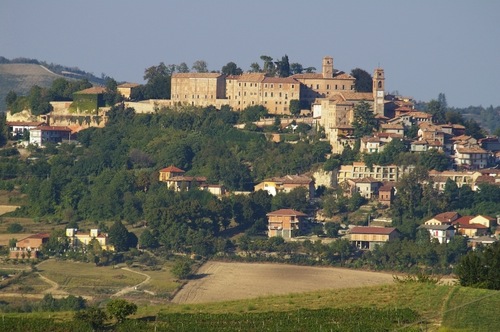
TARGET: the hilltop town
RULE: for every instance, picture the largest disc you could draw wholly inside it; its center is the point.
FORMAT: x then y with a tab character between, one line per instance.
305	168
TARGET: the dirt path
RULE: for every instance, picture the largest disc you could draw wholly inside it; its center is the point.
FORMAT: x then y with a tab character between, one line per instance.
126	290
221	281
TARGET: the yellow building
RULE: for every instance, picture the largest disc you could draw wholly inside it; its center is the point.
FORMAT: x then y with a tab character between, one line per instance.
252	89
324	84
197	89
126	89
80	240
359	170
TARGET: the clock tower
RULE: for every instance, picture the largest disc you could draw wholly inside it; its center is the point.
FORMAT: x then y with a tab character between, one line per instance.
378	91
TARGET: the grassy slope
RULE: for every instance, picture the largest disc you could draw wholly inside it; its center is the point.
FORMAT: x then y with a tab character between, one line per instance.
454	308
431	301
20	78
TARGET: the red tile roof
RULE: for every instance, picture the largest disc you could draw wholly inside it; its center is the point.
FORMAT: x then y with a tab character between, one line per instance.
52	128
447	216
372	230
196	75
172	169
92	91
286	212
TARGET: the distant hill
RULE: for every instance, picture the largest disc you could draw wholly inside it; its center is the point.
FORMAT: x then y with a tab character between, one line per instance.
19	75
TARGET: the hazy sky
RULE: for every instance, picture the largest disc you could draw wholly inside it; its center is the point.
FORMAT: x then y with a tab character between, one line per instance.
425	46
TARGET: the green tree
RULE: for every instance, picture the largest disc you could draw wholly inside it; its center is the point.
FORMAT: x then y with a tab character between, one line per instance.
283	66
437	110
268	66
364	121
182	268
364	81
231	68
120	309
295	107
158	82
11	98
148	240
93	316
255	67
182	68
14	228
296	68
200	66
119	236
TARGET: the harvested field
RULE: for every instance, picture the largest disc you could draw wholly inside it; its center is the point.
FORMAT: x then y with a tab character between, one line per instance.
221	281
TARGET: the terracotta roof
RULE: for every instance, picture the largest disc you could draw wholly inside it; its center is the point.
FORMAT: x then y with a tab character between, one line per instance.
288	80
471	150
286	212
250	77
92	91
37	236
357	95
307	76
386	187
128	85
372	230
464	222
52	128
447	216
485	179
172	169
24	123
196	75
292	179
368	179
392	126
420	115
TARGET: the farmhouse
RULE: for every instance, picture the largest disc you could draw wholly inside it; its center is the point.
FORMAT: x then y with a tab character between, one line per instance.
29	246
80	240
286	184
49	134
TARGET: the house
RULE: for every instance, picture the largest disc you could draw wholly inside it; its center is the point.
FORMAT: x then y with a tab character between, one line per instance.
285	223
286	184
29	246
368	237
49	134
126	89
392	128
487	221
81	240
471	158
445	218
17	129
442	232
465	226
386	194
367	187
170	172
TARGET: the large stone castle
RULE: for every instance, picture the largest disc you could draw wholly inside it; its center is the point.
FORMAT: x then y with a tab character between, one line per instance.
275	93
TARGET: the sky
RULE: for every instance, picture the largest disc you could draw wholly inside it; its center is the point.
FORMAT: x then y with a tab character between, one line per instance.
426	47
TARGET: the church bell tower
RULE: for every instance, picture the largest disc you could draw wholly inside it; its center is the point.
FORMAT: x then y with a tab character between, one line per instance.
378	91
327	67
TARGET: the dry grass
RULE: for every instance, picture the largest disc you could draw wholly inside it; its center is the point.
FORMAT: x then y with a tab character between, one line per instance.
86	279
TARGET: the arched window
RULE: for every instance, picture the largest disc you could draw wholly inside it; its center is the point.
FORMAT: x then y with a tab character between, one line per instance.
380	84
